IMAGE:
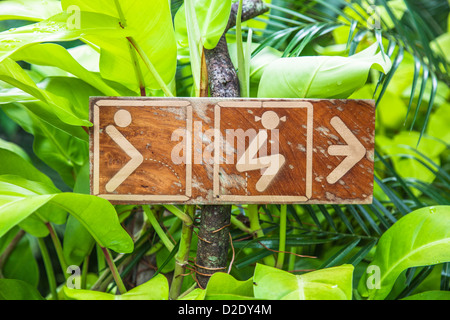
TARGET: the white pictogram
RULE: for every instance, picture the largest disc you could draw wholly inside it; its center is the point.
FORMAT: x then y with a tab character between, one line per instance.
354	151
271	164
122	118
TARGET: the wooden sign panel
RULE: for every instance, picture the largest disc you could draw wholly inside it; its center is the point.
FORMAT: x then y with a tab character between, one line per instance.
217	151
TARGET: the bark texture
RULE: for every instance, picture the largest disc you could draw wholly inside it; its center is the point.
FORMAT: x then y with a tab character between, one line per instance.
223	80
212	250
213	243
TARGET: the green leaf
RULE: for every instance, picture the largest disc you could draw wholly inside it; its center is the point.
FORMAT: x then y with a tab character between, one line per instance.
156	288
420	238
12	185
36	10
54	107
149	24
200	24
20	198
222	286
320	76
430	295
11	289
78	242
14	164
438	125
60	150
196	294
21	264
326	284
58	28
54	55
211	19
407	162
6	145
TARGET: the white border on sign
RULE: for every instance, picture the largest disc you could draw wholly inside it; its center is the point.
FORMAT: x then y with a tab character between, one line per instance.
309	150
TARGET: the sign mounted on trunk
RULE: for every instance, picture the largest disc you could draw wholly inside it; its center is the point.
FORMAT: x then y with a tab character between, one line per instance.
222	150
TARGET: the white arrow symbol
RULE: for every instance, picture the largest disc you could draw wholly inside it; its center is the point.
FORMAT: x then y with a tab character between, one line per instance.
354	151
130	150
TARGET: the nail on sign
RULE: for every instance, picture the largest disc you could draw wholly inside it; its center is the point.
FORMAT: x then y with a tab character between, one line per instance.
217	151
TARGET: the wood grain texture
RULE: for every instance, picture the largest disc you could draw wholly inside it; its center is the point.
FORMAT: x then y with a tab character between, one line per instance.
325	150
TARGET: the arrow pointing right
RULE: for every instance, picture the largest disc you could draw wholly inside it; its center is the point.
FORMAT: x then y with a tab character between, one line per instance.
130	150
354	151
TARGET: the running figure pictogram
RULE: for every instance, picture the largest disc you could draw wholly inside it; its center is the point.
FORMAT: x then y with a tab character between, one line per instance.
122	118
271	164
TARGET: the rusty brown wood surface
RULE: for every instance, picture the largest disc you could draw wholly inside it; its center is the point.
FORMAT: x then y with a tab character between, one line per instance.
187	150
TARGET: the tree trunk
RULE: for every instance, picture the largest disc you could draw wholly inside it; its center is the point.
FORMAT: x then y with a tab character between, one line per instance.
214	236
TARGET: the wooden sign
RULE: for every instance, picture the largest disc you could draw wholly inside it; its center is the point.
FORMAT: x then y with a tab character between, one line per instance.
217	151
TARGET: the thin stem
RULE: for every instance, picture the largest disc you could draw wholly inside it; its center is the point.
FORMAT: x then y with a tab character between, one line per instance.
180	214
105	276
84	272
203	76
123	21
195	45
58	248
137	69
48	268
159	231
10	248
240	225
282	244
101	266
181	259
242	69
150	67
114	271
292	257
156	247
134	58
192	288
256	229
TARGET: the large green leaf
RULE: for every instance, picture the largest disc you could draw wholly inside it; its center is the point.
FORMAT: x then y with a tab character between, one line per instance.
14	148
57	28
402	149
430	295
11	289
35	10
211	21
200	24
50	54
156	288
223	286
259	62
420	238
19	198
54	107
58	149
21	264
12	163
329	77
326	284
438	126
78	242
149	23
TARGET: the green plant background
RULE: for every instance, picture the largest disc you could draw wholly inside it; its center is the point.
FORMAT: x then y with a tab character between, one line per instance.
316	49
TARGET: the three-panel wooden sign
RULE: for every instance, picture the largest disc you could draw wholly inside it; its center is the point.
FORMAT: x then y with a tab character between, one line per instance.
218	151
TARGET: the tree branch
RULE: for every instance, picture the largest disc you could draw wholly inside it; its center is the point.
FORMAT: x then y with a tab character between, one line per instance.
223	80
212	250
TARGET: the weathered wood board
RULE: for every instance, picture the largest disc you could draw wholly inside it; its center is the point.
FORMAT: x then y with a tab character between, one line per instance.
217	151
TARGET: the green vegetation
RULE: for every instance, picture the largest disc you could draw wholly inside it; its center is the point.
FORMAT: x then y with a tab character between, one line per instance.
55	54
